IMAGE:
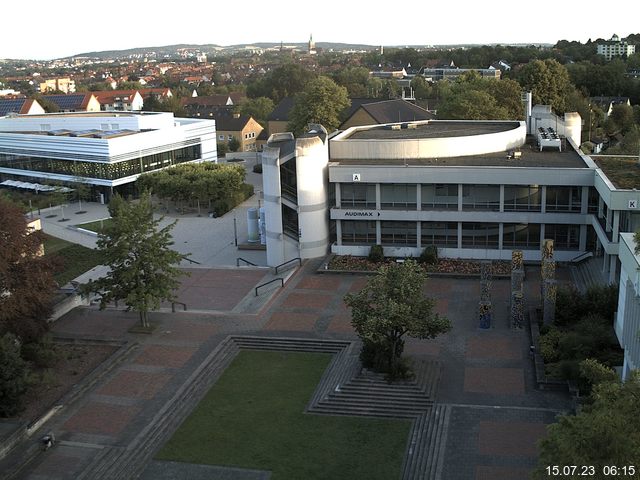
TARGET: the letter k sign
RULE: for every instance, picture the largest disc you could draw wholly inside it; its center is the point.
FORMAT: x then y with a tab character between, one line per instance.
633	204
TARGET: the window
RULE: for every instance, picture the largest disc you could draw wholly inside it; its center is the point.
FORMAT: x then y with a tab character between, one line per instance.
398	196
440	196
522	198
230	137
564	199
443	234
398	233
521	236
358	232
565	237
358	195
480	235
481	197
220	137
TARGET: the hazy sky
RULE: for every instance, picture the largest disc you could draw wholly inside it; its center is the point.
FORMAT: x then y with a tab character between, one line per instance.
49	30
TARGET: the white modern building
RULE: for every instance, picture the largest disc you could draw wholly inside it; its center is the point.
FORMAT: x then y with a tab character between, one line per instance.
627	323
107	150
474	189
615	47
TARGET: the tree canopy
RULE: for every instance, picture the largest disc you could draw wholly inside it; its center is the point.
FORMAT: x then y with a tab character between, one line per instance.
322	101
26	277
391	305
549	83
474	98
259	108
605	432
143	268
284	81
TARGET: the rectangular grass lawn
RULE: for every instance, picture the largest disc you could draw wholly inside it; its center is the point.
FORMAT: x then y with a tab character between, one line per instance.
75	259
253	418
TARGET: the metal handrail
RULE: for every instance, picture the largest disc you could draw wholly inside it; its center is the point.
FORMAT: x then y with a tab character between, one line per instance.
581	257
270	281
184	257
245	261
289	261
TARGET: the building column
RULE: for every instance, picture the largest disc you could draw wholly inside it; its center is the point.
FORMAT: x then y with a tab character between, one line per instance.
500	235
609	220
339	232
584	201
542	234
501	198
460	197
378	199
582	246
419	234
378	233
543	199
418	197
459	234
600	206
613	267
338	196
616	225
605	263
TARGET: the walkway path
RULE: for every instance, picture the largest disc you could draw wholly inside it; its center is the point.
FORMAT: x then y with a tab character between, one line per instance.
494	414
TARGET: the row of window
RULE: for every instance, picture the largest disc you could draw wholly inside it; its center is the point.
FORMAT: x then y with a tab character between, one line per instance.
474	197
108	171
445	234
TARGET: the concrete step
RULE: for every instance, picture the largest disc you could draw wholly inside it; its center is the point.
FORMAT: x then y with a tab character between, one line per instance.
363	411
403	402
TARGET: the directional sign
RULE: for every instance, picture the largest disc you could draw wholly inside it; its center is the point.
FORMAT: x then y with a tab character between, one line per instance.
633	204
356	177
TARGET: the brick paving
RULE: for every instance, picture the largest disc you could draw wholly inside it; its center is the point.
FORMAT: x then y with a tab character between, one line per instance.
499	381
101	419
135	384
497	415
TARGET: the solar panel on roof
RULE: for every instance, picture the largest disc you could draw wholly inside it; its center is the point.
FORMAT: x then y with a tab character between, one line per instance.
13	105
66	102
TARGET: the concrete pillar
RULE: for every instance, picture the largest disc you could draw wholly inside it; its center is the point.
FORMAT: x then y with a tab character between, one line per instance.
584	201
600	207
339	232
543	199
500	235
419	234
338	196
583	238
605	263
378	196
460	197
609	220
418	197
378	233
501	198
613	268
616	225
459	234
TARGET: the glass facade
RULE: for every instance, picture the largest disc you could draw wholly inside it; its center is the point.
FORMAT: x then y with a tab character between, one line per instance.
398	196
443	234
289	181
439	196
480	235
102	170
565	237
522	198
356	232
355	195
521	236
481	197
401	234
290	222
564	199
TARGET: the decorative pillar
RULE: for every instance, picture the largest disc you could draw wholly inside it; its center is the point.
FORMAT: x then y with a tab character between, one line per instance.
485	307
548	287
517	289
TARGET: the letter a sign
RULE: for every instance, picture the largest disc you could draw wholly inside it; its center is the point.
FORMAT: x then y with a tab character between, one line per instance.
356	177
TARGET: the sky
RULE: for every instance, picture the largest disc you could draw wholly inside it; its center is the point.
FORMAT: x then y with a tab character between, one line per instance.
53	31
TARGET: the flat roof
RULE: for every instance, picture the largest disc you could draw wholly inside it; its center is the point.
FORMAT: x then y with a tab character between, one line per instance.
530	157
437	129
622	171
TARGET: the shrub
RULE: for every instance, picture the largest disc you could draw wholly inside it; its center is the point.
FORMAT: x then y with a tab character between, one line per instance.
13	376
429	255
376	254
549	345
42	354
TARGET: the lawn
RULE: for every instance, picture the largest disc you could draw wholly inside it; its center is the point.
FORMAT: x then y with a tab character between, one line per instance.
96	226
253	418
75	259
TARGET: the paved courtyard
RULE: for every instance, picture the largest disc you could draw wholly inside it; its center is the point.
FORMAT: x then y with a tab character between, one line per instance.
497	415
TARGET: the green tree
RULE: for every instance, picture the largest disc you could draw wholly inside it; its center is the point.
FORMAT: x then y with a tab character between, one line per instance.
622	116
26	277
322	101
222	149
234	144
605	432
421	88
259	108
143	268
391	305
548	81
284	81
13	376
354	79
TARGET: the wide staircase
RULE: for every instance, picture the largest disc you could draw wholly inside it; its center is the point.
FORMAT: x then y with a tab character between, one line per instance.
588	273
